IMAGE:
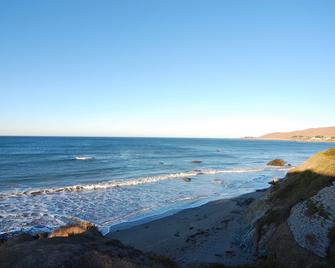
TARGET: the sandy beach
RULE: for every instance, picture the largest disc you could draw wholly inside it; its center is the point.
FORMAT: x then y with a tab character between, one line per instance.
290	224
211	233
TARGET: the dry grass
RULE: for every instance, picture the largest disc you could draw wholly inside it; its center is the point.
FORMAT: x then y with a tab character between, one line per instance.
299	185
313	209
322	163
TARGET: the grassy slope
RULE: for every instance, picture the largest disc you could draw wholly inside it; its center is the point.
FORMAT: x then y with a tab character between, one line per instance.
300	184
322	163
325	131
303	182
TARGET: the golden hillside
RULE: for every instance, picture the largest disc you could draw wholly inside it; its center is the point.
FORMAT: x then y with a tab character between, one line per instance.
323	133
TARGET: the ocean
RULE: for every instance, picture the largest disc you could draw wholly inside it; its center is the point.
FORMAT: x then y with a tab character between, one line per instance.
46	182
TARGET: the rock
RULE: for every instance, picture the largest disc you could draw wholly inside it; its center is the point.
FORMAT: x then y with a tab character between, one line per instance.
73	230
41	235
311	220
22	237
285	252
196	161
276	163
187	179
84	250
300	215
274	181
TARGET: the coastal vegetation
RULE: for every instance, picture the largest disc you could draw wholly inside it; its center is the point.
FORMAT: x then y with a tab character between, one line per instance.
300	188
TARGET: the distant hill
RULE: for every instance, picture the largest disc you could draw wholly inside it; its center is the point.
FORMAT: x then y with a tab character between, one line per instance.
311	134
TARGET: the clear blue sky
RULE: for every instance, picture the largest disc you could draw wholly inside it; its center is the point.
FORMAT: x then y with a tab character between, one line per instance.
166	68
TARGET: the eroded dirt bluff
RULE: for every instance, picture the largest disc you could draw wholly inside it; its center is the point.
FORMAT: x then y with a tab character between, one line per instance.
294	225
79	246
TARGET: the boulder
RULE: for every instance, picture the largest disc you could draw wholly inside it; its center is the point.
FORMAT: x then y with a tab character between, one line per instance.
85	250
276	163
69	230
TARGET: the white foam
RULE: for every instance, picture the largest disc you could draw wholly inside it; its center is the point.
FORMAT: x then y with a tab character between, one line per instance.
81	157
127	182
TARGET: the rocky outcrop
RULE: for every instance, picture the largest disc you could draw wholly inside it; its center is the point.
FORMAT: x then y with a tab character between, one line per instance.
295	226
69	230
66	249
276	163
311	221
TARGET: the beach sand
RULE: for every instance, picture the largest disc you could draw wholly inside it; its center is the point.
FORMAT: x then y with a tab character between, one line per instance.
210	233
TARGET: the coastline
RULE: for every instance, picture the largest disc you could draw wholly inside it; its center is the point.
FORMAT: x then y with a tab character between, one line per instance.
292	140
255	228
171	211
209	233
198	236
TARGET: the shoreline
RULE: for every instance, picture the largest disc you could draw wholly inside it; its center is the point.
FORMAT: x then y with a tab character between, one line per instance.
252	229
172	211
150	216
128	224
210	233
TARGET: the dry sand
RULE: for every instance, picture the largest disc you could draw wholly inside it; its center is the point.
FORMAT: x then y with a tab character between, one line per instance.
206	234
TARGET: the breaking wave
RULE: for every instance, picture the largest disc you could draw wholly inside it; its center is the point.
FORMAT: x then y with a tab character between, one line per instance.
81	157
127	182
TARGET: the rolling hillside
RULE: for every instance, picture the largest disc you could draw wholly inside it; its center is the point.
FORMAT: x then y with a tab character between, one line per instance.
311	134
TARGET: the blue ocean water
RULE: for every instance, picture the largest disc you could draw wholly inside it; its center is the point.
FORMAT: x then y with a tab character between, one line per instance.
49	181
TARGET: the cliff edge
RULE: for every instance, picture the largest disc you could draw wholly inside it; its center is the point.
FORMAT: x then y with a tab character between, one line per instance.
296	226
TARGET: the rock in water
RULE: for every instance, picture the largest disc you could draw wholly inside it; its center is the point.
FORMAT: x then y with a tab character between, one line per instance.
276	163
196	161
187	179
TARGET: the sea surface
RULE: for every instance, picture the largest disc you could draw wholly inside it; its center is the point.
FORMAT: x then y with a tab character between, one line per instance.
46	182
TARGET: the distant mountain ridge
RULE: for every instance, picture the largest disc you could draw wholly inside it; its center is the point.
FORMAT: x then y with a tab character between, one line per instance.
310	134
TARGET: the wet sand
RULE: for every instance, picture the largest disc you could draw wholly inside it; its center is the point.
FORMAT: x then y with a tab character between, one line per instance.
210	233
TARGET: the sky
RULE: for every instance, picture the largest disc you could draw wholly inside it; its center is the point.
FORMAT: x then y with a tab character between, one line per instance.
227	68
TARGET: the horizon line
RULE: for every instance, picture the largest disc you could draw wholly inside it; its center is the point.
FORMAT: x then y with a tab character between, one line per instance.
87	136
